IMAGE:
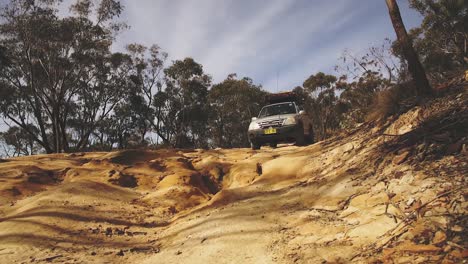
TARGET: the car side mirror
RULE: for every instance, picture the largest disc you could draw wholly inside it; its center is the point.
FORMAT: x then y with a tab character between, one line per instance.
254	118
301	112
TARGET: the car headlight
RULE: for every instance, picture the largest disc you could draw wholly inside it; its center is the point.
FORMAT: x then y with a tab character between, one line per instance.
289	121
254	125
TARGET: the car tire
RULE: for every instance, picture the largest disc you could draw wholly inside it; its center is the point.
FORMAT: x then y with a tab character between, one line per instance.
255	146
309	139
273	145
300	138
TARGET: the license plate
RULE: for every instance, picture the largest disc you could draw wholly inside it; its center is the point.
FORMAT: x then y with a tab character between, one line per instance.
269	131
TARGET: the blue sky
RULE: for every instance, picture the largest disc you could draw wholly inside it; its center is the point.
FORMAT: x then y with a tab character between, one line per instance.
261	39
270	41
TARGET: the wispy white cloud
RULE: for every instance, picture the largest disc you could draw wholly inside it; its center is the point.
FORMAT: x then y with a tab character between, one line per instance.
261	38
243	40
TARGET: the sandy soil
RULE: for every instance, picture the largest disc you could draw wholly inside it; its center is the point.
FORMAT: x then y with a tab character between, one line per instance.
366	196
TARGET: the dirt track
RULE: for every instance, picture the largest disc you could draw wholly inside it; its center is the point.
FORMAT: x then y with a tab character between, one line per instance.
352	198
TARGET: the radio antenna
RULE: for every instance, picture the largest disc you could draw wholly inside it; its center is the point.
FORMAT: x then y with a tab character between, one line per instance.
277	73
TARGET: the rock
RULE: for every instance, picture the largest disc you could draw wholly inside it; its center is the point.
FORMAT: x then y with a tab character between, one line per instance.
464	253
416	206
120	253
178	252
108	231
15	191
407	236
447	248
50	259
259	169
145	249
398	174
378	187
457	254
407	179
454	147
354	222
418	248
96	230
390	195
439	238
410	201
398	159
119	232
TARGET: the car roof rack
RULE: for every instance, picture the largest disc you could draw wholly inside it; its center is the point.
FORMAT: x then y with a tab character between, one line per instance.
281	97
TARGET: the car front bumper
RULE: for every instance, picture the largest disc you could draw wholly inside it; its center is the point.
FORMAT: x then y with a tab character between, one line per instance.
283	134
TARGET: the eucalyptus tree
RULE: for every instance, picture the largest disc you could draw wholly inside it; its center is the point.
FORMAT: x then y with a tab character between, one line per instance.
182	108
414	65
233	103
62	79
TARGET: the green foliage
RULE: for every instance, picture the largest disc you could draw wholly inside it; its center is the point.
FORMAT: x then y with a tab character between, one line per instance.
319	82
20	142
442	38
182	107
61	80
233	103
318	97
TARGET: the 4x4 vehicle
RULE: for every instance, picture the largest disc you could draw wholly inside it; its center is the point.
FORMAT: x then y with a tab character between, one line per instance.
280	122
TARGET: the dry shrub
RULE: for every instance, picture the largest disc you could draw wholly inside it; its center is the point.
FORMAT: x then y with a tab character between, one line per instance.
391	101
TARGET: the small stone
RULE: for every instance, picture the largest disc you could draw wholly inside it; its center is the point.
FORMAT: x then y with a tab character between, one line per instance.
259	169
120	253
454	147
447	248
15	191
400	158
457	254
421	248
439	237
108	231
407	179
464	253
111	173
398	174
178	252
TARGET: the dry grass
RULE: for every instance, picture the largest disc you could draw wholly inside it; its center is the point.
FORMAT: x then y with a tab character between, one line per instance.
394	100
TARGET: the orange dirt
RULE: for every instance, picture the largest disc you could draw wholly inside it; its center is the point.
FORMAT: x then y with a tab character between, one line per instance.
339	201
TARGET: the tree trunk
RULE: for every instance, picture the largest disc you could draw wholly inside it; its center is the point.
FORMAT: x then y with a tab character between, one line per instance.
414	65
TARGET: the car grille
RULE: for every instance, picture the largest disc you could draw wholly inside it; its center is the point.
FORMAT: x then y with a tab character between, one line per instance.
271	123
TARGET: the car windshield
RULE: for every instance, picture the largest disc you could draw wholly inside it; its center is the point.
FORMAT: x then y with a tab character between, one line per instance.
277	109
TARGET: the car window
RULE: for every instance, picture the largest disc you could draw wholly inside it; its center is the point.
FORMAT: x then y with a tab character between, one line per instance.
278	109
